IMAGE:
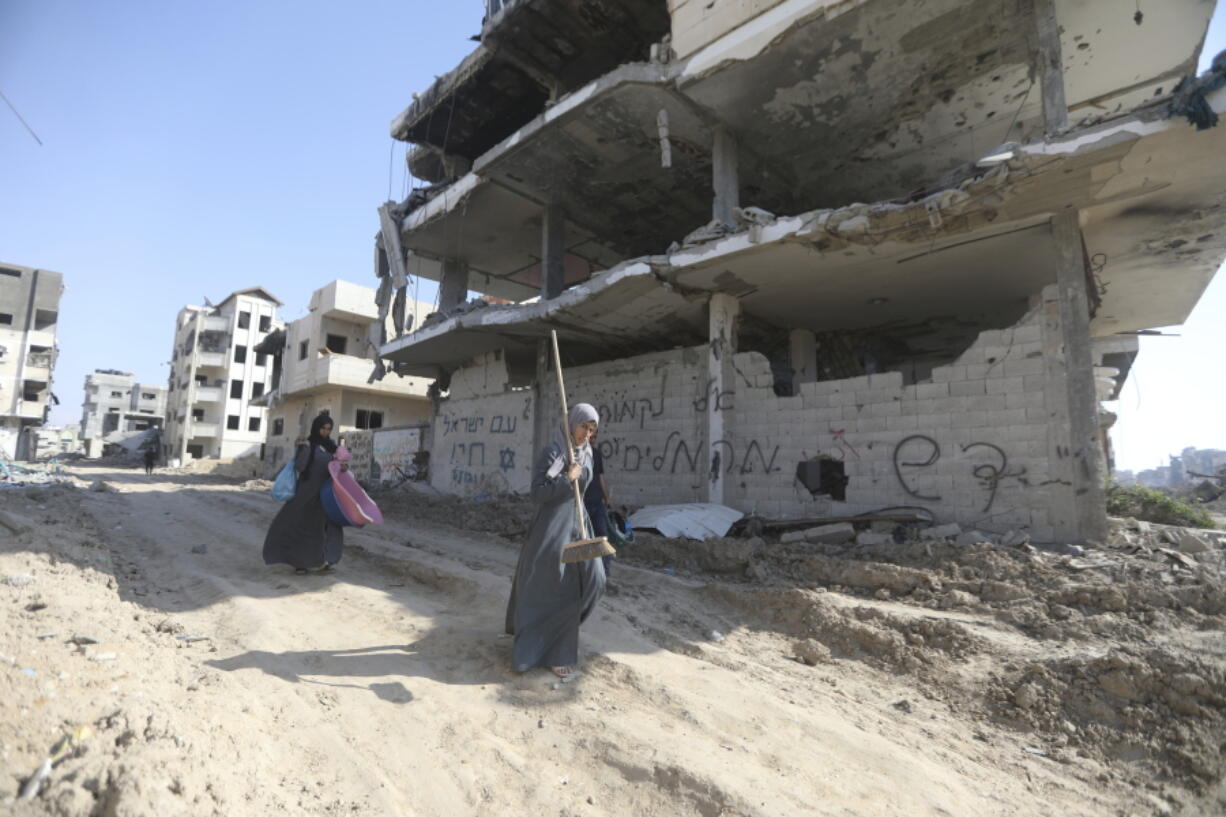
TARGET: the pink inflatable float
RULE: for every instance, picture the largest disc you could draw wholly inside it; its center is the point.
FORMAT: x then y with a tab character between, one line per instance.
345	502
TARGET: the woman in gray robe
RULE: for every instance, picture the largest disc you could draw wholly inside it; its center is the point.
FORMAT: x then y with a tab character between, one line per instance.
549	599
301	534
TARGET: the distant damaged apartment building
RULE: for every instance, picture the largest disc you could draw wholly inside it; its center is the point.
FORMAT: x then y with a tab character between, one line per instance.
29	317
810	258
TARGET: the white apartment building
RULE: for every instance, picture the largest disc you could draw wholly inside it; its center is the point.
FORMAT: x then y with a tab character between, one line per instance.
215	373
29	312
323	362
116	404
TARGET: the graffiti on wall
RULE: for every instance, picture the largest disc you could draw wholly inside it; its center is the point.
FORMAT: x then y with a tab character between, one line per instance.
681	456
480	444
360	445
918	452
619	407
394	451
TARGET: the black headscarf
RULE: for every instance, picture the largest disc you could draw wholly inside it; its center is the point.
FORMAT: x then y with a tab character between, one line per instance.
329	445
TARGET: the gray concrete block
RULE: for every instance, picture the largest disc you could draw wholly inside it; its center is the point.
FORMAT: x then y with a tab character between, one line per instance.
967	388
830	534
942	531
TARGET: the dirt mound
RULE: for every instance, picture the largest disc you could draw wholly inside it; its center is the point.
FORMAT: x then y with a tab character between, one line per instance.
239	468
102	686
854	631
725	555
509	517
1153	707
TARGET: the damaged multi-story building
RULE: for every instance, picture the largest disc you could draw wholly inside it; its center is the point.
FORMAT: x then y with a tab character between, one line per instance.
117	407
810	258
323	363
29	316
215	373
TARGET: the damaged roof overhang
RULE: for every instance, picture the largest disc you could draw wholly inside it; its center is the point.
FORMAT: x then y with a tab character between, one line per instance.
528	50
595	155
1150	190
922	88
908	104
622	312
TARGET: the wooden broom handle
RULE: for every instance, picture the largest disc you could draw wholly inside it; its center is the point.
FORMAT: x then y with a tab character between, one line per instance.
570	450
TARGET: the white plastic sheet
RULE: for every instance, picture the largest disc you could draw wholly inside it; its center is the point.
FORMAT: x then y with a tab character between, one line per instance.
694	520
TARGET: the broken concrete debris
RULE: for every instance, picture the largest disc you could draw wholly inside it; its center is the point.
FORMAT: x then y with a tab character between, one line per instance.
823	534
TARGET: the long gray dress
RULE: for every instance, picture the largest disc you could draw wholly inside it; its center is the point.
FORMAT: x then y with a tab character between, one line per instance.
549	600
300	534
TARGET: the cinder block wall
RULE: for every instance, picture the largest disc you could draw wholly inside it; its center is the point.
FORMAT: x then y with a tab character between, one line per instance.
971	446
482	434
651	423
980	444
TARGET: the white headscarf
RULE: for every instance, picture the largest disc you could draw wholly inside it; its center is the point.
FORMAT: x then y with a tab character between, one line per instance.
579	413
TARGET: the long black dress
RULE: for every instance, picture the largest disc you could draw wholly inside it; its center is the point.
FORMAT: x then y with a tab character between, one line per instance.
301	534
549	600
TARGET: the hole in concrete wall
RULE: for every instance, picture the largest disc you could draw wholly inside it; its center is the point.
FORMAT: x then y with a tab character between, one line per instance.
823	476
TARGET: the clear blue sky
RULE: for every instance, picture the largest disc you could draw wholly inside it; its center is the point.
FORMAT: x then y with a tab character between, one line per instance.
192	149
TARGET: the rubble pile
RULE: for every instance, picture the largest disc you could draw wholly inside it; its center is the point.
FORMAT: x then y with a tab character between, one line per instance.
26	474
507	516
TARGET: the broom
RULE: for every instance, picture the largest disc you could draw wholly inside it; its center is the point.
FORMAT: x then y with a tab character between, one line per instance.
588	547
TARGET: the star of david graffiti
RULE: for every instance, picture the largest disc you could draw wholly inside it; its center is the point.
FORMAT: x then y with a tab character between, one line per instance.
506	459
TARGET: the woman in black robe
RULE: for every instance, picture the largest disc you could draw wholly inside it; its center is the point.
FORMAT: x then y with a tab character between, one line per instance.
301	534
549	599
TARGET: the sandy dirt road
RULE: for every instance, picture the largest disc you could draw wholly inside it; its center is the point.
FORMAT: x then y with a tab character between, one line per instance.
384	688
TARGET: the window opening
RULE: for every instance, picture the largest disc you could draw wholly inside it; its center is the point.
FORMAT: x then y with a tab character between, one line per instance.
336	344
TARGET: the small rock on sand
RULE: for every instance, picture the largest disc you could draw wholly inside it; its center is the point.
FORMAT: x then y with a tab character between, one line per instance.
810	652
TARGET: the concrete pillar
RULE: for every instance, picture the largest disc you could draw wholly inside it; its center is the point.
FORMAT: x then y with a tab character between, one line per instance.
553	251
725	310
724	176
1050	68
453	289
802	349
542	397
1077	500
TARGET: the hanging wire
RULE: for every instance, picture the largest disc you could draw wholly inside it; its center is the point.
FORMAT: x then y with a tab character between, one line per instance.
1018	112
391	157
21	118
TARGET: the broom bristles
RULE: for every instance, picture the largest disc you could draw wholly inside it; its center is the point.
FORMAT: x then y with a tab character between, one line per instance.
585	549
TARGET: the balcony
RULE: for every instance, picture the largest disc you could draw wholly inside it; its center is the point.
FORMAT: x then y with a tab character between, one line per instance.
345	301
42	337
206	394
211	359
202	429
341	372
216	323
